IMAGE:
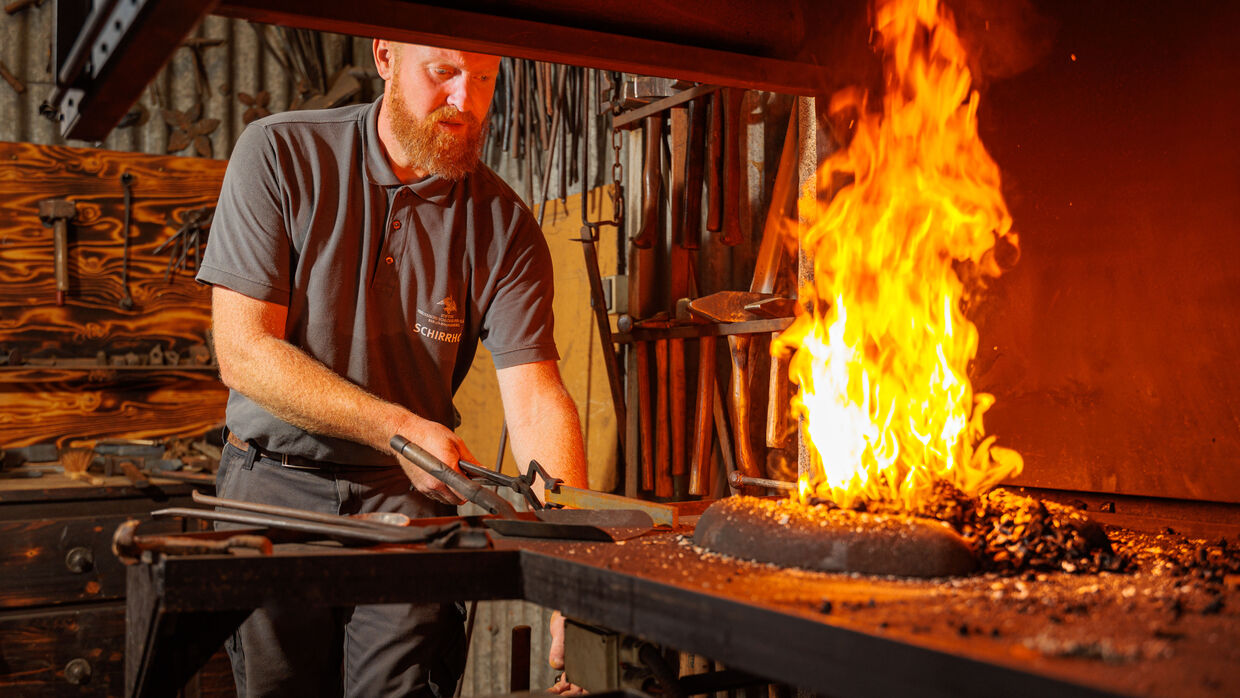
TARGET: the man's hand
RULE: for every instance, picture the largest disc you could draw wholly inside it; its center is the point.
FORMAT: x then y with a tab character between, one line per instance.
442	443
556	659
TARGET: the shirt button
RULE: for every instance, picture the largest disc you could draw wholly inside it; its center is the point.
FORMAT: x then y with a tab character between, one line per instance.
390	260
395	225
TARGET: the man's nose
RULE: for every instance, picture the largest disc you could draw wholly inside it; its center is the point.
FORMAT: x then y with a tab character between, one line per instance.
463	94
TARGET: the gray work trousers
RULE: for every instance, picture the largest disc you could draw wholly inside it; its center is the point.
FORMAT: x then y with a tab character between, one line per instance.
290	649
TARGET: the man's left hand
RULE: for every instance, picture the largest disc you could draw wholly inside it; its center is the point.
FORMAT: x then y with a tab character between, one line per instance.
556	658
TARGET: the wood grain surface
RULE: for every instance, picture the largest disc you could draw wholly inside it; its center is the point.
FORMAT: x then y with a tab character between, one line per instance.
58	403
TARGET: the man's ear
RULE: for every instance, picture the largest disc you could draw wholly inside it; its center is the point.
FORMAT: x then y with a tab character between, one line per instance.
385	57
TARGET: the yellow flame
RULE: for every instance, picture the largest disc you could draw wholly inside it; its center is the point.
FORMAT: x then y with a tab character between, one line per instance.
882	357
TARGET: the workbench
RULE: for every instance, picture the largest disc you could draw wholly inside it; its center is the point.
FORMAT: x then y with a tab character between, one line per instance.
62	611
840	635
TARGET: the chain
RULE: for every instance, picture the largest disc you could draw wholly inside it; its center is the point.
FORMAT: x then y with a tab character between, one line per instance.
617	172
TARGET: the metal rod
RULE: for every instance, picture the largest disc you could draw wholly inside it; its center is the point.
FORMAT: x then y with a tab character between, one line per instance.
737	480
292	513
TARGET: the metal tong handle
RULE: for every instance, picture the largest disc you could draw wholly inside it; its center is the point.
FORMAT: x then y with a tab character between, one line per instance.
463	486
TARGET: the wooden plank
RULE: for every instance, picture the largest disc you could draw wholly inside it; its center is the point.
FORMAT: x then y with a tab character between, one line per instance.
60	403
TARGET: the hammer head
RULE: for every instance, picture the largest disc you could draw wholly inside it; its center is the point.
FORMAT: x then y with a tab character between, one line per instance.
52	210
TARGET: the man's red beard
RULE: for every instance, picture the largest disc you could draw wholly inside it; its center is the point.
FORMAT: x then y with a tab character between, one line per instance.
438	150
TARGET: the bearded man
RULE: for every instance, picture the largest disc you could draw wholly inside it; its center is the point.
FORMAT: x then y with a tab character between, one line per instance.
358	255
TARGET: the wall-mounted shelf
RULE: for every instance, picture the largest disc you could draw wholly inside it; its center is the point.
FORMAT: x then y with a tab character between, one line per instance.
97	374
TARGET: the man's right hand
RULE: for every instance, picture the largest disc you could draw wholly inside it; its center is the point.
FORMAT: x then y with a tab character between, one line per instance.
445	445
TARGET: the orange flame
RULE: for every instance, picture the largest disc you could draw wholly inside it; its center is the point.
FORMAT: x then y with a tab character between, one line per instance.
882	353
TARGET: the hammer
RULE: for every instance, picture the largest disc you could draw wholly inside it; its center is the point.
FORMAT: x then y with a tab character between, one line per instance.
129	547
56	214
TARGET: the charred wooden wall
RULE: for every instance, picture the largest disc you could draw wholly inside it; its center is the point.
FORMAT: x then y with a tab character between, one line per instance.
48	390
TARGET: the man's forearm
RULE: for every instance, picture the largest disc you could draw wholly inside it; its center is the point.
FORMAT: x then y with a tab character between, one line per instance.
542	421
303	392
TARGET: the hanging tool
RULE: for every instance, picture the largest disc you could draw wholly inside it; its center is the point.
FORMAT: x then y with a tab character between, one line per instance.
733	167
691	225
680	285
645	413
188	236
588	239
714	163
779	425
699	467
676	351
126	302
728	307
663	476
56	214
651	183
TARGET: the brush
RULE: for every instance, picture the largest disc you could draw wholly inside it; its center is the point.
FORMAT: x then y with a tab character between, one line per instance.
76	461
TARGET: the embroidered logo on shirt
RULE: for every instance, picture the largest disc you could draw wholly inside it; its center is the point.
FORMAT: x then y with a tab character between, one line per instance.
444	327
449	307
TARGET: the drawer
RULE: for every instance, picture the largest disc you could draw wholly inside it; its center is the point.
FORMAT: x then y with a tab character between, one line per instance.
73	652
79	651
57	561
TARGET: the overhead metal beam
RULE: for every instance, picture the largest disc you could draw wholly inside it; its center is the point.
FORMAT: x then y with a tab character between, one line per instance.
117	50
557	36
768	45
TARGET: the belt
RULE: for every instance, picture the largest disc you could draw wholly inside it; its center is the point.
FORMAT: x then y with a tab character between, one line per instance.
295	461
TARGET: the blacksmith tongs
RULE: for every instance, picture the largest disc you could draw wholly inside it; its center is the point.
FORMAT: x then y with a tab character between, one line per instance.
522	485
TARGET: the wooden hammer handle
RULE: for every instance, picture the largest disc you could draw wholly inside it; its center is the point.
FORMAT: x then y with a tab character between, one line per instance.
651	183
745	463
677	348
779	424
714	163
663	473
691	226
645	414
733	171
700	471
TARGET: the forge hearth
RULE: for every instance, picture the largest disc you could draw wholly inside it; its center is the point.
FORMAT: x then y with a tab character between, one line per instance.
833	540
951	535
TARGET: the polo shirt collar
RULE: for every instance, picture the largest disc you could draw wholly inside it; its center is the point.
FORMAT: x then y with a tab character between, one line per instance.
433	189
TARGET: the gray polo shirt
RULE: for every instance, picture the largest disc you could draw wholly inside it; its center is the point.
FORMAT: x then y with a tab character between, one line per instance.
389	285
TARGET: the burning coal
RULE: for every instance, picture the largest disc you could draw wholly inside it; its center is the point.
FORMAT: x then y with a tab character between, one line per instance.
882	344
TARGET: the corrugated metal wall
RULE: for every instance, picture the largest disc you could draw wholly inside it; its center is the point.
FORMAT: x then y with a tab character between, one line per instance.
241	64
213	76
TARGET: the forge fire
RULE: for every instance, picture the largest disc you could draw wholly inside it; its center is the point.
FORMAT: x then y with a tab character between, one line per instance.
882	344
